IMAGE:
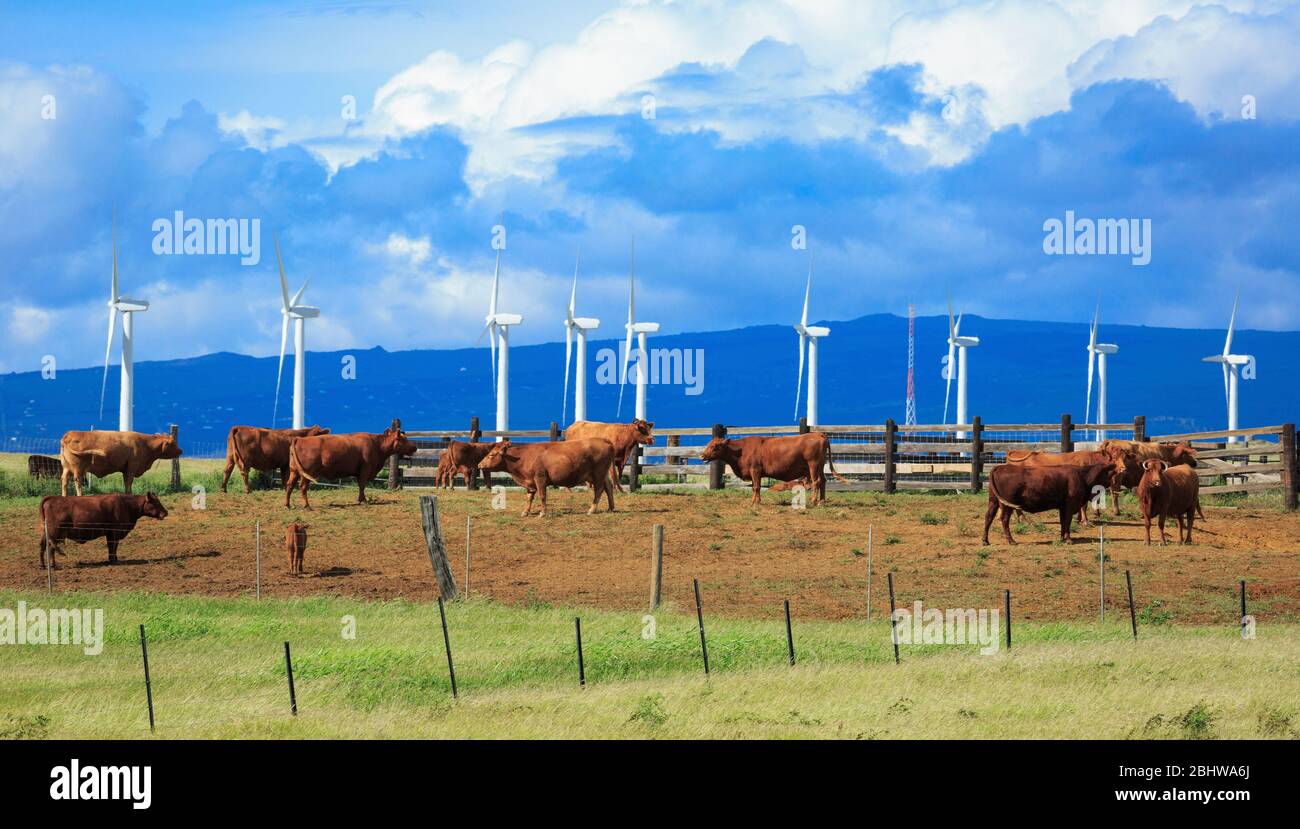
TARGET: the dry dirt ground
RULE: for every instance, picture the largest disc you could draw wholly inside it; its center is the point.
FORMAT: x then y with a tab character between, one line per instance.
747	559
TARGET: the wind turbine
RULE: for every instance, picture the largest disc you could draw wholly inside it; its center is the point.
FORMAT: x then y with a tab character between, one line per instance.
291	310
581	325
118	304
1231	364
1097	352
808	336
959	344
640	329
498	326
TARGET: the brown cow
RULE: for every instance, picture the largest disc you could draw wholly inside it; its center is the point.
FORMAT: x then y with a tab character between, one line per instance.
253	447
623	436
358	455
295	545
535	466
1122	459
460	458
87	517
1168	490
794	458
1175	454
103	453
1015	487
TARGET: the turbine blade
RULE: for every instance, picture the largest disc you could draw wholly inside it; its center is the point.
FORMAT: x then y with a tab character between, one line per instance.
627	352
284	285
1092	334
798	389
573	294
952	328
807	293
492	340
1227	397
1232	321
108	350
114	291
951	368
301	290
496	277
279	374
1087	407
568	355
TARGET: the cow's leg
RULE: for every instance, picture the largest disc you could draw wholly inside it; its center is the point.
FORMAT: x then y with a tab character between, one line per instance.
1147	518
225	476
989	514
615	475
756	481
361	489
528	506
112	547
1006	524
289	481
609	496
44	540
1067	518
63	482
303	483
243	473
1191	516
817	494
1164	539
127	479
541	482
597	489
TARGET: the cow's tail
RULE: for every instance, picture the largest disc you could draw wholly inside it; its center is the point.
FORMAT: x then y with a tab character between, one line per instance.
830	459
295	464
232	450
993	490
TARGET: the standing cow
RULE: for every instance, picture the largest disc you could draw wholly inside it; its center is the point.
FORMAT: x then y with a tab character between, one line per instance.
1175	454
266	450
358	455
1014	487
1168	490
623	436
87	517
536	466
103	453
1122	460
460	458
790	458
295	545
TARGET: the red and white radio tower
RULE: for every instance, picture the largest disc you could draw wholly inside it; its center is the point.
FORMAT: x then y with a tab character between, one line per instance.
909	418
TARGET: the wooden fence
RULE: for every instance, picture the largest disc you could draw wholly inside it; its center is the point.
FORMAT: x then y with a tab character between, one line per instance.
888	457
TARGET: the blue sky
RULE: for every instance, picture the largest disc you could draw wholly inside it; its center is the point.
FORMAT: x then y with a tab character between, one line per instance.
922	146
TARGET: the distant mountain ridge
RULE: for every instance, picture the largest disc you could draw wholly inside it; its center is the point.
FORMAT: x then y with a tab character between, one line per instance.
1022	372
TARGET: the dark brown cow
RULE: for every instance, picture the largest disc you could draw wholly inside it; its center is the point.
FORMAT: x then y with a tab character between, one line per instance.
569	463
1015	487
1122	459
295	545
1175	454
103	453
460	458
87	517
1168	490
253	447
623	436
358	455
793	458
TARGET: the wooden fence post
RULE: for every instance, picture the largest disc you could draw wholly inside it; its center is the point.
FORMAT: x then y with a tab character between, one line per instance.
976	455
674	441
1290	484
555	431
176	462
891	455
475	435
656	567
394	471
634	475
716	468
803	425
1140	428
1067	434
437	546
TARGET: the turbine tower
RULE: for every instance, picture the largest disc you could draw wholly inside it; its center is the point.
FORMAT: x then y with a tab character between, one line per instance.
291	310
1231	364
640	329
960	344
808	336
580	325
1098	352
127	307
498	331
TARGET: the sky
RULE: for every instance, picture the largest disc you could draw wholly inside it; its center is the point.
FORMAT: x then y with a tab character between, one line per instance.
919	148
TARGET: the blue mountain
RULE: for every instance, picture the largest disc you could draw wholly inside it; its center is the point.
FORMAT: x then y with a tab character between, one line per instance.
1022	372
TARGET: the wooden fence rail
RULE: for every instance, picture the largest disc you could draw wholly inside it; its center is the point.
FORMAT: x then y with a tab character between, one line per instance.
889	457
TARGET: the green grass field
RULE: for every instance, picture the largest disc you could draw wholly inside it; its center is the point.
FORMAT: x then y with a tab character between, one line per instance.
218	671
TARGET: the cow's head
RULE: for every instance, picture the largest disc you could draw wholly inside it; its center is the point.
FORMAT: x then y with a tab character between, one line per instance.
153	507
718	449
496	457
1153	472
395	442
166	446
1183	453
315	430
644	431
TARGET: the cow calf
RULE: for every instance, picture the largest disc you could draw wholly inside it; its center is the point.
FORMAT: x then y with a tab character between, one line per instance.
295	545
